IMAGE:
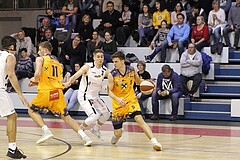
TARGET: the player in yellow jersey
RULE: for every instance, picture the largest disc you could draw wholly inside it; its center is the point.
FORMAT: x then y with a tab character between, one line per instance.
48	75
124	101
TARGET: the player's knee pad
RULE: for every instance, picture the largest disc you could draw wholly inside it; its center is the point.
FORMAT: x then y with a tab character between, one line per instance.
104	117
91	119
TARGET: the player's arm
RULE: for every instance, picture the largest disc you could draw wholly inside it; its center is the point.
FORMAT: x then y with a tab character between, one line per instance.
38	70
107	73
10	70
83	70
137	79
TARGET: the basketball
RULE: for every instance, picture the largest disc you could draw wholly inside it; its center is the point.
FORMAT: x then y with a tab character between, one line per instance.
147	87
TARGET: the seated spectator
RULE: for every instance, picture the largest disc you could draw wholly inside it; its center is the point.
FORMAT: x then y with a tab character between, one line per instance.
44	25
24	67
126	21
72	92
109	47
144	24
200	35
110	20
63	31
143	74
54	18
216	21
178	9
73	51
225	5
168	86
85	29
89	7
196	11
70	8
57	5
186	7
48	36
233	25
158	40
94	43
117	5
191	69
177	37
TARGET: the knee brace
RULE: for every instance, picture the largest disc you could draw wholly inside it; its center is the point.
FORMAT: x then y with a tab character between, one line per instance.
104	117
91	119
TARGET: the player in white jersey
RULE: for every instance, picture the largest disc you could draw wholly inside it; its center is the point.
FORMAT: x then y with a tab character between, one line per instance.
88	93
7	69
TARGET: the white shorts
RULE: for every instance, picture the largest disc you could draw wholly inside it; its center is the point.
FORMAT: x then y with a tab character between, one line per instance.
93	106
6	105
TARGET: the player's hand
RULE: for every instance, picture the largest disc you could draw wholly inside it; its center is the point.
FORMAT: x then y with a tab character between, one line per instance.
66	85
121	102
24	100
105	87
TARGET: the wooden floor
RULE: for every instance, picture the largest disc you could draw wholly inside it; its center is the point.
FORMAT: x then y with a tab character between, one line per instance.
179	141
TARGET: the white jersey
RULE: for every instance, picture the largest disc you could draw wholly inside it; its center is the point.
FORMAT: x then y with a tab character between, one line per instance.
3	75
91	83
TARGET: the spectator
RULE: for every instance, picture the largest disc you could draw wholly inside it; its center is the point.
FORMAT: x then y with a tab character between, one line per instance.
94	43
143	74
168	86
225	5
158	40
117	5
233	25
126	21
88	7
196	11
191	69
72	92
144	24
44	25
54	18
216	21
109	47
200	35
177	37
70	8
85	29
178	9
73	51
186	7
110	20
50	38
170	4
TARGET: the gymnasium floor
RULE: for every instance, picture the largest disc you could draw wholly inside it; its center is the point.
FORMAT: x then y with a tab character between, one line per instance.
181	140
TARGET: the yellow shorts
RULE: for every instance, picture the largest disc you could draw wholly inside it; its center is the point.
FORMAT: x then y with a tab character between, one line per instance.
52	100
119	114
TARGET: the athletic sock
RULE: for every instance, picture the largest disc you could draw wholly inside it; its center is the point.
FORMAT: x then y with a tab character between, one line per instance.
45	128
154	140
12	146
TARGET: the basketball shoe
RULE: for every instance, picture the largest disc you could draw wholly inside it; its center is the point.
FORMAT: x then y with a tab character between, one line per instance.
48	134
15	154
156	145
115	139
97	133
87	140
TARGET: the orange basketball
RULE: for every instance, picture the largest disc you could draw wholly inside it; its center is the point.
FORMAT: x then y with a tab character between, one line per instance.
147	87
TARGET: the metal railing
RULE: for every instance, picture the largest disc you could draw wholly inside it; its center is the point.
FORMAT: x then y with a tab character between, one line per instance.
23	4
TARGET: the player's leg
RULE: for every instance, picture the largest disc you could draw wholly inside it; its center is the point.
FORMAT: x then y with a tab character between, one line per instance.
118	117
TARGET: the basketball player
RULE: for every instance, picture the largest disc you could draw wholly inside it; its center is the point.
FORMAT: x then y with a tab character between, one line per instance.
7	69
88	94
124	102
48	75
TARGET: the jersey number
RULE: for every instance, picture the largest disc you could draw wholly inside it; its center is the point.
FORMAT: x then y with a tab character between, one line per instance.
54	71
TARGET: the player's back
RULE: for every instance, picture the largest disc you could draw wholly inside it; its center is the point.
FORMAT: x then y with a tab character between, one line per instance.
51	74
3	59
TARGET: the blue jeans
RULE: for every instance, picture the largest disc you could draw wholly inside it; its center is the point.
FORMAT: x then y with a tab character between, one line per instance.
142	98
107	59
155	52
71	98
142	32
216	35
174	98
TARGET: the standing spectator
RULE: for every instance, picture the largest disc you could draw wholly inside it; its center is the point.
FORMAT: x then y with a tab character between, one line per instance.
126	21
178	9
143	74
216	20
233	25
110	20
94	43
168	86
73	51
109	47
177	36
70	8
196	11
158	40
200	35
144	23
50	38
191	69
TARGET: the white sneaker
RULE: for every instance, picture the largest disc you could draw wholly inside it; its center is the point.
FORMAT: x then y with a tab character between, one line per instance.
157	146
97	133
87	140
47	135
115	139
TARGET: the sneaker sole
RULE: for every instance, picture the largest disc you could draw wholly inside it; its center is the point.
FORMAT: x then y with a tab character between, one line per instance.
88	144
45	139
99	138
157	148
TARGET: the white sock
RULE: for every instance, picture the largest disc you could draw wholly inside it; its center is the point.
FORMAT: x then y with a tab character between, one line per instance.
154	140
12	146
96	127
45	128
81	133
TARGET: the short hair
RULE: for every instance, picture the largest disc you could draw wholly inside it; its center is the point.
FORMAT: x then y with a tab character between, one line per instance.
46	45
142	63
118	54
181	15
194	45
7	41
110	2
23	49
216	2
98	51
166	68
49	29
